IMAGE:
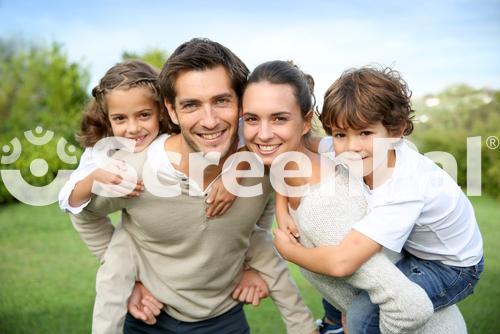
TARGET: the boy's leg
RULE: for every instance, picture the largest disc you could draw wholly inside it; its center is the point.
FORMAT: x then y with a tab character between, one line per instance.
332	321
363	316
445	285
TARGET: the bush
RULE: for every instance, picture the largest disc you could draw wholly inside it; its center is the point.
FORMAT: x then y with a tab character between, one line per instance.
39	87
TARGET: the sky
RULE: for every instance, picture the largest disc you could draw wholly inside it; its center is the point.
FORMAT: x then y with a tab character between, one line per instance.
434	44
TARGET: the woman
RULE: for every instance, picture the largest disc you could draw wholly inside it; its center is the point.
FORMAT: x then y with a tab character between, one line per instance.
277	113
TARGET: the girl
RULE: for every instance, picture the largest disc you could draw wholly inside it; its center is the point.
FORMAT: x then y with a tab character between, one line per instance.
277	112
126	104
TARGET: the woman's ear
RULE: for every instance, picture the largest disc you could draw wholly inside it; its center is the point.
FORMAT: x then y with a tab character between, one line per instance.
171	111
307	122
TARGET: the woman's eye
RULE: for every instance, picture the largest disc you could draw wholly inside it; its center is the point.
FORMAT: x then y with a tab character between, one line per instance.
145	115
280	119
250	119
117	118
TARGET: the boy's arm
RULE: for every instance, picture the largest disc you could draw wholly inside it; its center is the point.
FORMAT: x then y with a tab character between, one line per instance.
338	261
262	257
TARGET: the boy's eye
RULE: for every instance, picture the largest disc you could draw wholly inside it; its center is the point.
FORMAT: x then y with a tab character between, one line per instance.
366	133
338	135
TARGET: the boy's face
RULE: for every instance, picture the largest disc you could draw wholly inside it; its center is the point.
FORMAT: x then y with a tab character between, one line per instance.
368	146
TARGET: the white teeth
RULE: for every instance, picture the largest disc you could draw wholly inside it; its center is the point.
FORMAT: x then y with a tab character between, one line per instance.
212	135
268	147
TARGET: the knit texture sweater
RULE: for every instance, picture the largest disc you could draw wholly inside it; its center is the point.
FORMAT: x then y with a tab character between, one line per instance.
325	215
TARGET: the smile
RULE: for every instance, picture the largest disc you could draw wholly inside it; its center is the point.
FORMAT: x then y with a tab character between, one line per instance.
268	149
139	139
211	136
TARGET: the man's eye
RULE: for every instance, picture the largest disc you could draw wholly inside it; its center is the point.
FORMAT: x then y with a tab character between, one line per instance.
222	101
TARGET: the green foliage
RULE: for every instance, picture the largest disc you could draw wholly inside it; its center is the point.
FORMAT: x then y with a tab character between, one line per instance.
456	114
154	57
39	87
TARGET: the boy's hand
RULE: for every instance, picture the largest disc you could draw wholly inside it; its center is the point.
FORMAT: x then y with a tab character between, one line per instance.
219	200
143	305
251	288
285	243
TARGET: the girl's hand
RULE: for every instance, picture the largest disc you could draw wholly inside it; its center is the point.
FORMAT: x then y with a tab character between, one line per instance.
285	243
251	288
115	175
219	200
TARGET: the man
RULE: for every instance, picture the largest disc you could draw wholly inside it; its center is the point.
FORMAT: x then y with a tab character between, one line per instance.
188	262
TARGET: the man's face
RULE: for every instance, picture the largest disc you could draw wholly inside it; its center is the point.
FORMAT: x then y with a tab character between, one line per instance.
206	110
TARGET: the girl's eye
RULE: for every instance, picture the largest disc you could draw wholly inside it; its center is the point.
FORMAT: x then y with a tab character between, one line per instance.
338	135
145	115
117	118
366	133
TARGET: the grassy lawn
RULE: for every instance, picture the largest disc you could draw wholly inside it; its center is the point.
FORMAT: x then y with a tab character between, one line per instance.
47	276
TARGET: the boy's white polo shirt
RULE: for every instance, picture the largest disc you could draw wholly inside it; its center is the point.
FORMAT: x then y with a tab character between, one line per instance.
422	209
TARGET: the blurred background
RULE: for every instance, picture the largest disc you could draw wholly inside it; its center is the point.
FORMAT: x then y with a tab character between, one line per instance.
52	53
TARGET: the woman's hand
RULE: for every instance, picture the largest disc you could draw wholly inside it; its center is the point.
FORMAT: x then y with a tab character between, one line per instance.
286	244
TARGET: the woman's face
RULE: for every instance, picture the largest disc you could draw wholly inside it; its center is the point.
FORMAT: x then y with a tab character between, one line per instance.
272	120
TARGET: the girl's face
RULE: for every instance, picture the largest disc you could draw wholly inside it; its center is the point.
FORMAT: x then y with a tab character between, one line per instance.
133	113
272	120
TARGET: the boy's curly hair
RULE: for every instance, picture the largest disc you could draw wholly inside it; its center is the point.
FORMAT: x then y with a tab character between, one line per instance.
368	95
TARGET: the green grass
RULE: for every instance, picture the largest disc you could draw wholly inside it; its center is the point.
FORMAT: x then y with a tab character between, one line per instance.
47	276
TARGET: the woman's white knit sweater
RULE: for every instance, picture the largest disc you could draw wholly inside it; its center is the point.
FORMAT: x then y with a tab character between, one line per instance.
325	215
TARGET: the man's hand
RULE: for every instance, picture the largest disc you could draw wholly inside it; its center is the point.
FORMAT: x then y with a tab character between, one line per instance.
143	305
285	243
251	288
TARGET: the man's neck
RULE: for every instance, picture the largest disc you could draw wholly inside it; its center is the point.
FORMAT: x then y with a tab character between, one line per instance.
176	144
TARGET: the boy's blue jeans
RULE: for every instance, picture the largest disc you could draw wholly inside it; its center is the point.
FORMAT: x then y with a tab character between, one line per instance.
445	285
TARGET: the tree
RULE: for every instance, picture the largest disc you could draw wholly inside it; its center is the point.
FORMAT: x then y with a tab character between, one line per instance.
39	87
154	57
